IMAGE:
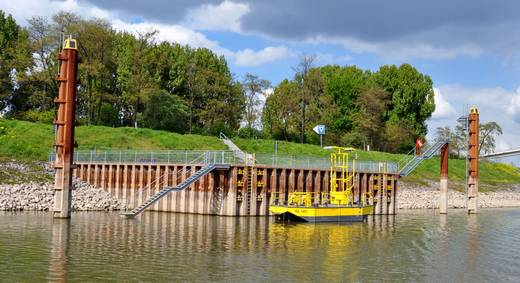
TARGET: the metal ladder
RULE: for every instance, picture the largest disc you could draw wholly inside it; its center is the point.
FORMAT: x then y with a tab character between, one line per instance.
249	189
182	186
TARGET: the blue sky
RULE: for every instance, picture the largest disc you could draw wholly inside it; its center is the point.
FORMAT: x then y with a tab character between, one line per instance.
471	49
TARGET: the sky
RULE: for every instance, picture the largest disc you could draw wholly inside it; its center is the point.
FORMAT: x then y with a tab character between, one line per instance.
470	49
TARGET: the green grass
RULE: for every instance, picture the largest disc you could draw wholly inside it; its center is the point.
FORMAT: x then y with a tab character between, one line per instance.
33	141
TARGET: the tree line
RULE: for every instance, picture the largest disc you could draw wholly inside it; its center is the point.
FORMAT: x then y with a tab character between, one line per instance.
134	80
458	137
386	109
125	79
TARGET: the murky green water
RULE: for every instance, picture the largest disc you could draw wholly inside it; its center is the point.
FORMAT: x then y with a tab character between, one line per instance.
414	246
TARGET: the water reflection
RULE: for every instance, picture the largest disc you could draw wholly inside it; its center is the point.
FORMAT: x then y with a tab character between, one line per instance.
167	247
59	250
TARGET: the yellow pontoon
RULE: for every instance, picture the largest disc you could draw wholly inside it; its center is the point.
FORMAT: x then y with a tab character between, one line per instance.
337	205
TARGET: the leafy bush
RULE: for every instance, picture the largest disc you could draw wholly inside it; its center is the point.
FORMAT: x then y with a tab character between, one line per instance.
249	133
39	116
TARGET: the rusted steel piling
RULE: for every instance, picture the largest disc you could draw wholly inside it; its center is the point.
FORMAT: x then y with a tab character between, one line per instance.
443	200
473	155
64	125
238	191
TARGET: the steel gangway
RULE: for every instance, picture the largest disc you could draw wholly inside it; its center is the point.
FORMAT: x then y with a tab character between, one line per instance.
182	186
407	164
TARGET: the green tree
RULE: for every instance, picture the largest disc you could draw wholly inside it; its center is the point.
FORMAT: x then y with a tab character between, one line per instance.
343	85
412	95
280	114
254	87
96	44
456	146
368	120
165	111
487	134
14	57
134	78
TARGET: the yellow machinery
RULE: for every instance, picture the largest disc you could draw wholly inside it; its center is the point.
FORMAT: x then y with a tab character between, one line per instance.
336	205
70	43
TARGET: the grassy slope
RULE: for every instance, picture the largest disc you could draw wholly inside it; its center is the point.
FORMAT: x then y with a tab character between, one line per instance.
32	141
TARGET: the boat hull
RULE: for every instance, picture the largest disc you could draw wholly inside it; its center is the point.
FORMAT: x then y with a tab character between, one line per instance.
321	214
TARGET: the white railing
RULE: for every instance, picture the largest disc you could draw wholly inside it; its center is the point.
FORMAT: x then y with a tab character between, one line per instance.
221	157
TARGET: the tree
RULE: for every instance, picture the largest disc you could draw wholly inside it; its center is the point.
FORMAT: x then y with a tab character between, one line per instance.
412	95
45	43
343	85
368	120
98	68
445	133
14	57
487	134
459	138
399	136
301	76
165	111
253	87
280	113
134	77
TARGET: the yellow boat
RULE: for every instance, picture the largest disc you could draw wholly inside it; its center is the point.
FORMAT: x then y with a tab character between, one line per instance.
337	205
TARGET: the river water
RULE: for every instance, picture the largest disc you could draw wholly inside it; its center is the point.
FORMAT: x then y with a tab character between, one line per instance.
164	247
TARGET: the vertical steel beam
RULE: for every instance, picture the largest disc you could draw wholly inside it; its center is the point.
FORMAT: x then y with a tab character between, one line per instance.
64	138
473	143
443	199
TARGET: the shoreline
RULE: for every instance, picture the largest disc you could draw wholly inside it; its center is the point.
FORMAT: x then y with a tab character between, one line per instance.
410	197
85	197
37	194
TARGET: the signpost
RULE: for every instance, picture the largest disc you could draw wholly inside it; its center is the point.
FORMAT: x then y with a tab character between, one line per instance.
320	130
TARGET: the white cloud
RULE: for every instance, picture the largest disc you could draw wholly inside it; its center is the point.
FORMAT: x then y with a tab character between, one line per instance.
172	33
180	34
224	16
493	103
22	10
398	51
443	109
513	108
251	58
329	58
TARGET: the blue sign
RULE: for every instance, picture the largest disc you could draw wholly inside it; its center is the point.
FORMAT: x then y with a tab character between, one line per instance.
319	129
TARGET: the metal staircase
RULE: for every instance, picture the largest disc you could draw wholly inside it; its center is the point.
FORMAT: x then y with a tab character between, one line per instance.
240	154
182	186
407	165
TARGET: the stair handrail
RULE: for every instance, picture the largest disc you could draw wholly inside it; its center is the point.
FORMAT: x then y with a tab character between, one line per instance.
427	154
406	159
160	179
203	171
223	136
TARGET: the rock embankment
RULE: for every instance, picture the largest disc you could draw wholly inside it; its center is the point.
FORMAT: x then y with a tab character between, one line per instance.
427	197
40	196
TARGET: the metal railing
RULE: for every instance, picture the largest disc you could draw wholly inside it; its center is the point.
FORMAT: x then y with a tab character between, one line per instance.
222	157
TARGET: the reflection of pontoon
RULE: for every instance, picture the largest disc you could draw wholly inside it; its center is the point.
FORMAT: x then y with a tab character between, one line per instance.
336	205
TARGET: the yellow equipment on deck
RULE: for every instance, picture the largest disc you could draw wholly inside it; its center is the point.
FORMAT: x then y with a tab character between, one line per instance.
337	205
